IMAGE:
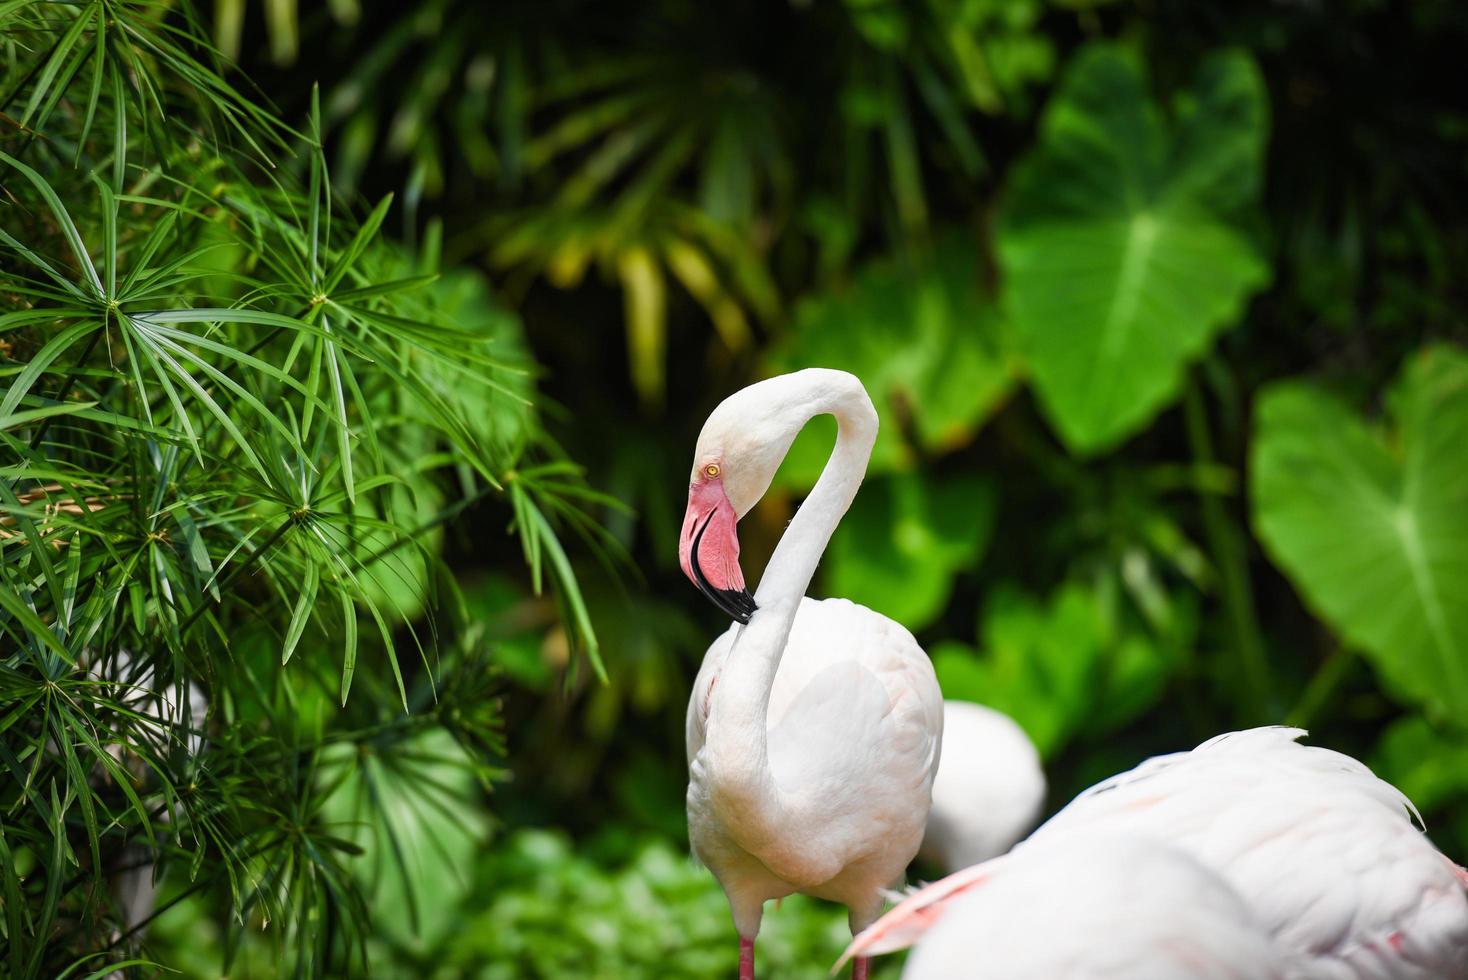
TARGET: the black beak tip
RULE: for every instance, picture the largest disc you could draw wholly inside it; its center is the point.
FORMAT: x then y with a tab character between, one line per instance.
739	605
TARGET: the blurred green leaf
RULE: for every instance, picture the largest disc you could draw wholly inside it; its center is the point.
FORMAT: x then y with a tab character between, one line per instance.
904	539
413	808
1060	669
507	612
926	341
1428	764
1120	239
1371	523
984	53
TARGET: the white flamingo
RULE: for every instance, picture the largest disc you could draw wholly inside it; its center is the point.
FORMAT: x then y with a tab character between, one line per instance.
1326	855
989	789
1097	908
814	728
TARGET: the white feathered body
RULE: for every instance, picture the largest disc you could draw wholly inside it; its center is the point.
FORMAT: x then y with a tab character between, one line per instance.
1097	908
854	733
1325	853
989	790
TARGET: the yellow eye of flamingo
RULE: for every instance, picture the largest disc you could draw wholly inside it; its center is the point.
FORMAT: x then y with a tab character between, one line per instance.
711	470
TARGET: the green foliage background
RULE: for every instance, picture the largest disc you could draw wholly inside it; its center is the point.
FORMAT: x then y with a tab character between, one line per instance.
301	310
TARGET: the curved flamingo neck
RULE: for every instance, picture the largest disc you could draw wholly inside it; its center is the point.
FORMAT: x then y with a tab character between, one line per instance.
737	741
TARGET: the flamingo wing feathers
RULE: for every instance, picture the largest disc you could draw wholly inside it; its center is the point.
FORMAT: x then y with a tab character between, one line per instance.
1103	908
1326	855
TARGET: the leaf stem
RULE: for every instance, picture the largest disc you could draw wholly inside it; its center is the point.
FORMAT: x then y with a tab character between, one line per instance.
254	556
71	377
1322	686
1227	544
199	885
442	517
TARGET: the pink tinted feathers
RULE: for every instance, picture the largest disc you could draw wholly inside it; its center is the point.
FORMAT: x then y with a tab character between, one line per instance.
906	922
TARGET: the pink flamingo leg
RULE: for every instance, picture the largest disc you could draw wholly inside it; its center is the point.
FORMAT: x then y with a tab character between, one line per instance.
746	959
860	967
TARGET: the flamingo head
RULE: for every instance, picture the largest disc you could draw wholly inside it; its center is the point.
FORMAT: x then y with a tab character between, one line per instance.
739	450
708	548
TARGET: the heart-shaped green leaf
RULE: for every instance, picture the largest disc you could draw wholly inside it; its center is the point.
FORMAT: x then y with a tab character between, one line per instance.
927	343
1121	239
1372	526
899	547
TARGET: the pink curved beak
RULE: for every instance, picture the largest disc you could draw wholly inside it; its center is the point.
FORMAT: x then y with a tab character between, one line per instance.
708	549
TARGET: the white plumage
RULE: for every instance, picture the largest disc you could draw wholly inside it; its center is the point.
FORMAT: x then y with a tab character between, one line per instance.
813	732
1325	854
853	719
989	789
1097	908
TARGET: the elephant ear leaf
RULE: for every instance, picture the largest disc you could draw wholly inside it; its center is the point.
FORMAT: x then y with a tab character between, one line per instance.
1372	526
1122	238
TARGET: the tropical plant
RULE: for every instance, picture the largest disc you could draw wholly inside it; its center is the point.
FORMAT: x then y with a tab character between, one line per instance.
235	422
